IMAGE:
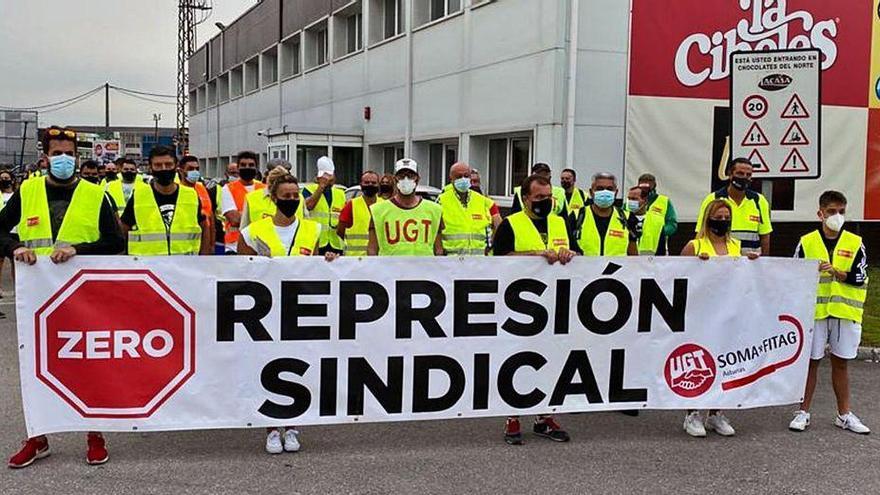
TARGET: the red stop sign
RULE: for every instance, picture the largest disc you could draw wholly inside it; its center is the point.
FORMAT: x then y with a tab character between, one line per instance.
115	361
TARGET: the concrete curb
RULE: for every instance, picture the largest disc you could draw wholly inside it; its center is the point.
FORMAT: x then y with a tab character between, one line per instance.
871	354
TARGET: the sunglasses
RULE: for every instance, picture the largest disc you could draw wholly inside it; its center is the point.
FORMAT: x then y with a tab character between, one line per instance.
58	132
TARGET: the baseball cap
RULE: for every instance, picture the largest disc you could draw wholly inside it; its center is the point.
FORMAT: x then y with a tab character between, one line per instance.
406	164
326	166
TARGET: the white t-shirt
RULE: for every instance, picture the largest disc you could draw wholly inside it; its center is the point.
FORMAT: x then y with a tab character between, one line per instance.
287	235
127	189
227	203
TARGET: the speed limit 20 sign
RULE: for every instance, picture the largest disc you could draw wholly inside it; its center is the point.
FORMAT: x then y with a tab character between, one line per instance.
775	108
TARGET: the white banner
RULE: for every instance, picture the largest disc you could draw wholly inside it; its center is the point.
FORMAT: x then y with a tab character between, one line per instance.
122	344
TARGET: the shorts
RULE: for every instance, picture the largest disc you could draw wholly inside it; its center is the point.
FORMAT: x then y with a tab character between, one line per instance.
844	337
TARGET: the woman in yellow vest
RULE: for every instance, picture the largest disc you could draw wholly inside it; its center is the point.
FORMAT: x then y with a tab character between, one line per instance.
843	290
283	234
712	240
258	204
354	219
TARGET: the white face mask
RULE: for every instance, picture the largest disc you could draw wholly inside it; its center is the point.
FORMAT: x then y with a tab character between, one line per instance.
835	222
406	186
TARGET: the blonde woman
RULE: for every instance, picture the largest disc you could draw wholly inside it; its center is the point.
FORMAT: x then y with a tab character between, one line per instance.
258	204
282	234
712	240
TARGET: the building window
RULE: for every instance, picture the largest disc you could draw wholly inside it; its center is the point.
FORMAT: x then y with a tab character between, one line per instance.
348	30
390	155
252	75
386	19
236	82
290	56
270	66
441	156
425	11
193	102
509	160
353	33
223	88
316	45
201	98
212	93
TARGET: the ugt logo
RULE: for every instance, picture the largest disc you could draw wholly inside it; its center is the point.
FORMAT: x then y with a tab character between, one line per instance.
690	371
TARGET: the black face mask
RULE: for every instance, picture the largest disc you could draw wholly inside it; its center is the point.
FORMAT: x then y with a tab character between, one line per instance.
542	209
567	185
90	178
247	173
370	191
129	176
110	177
5	183
719	227
287	207
386	188
741	183
165	177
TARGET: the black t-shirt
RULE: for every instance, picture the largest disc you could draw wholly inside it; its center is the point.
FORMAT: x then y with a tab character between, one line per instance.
167	204
504	242
110	241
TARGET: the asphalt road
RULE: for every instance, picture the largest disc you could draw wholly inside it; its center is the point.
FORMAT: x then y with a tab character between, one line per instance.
609	453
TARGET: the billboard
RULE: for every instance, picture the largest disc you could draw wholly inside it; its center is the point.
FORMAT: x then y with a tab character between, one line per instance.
106	150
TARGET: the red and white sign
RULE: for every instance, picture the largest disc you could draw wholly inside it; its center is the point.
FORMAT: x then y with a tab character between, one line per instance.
755	106
795	136
690	371
121	361
755	136
795	163
795	109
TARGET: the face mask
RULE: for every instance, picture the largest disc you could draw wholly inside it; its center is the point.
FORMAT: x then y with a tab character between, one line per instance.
741	183
110	177
193	176
542	209
91	178
566	184
129	176
247	173
232	178
62	166
5	183
406	186
719	227
165	177
835	222
370	191
633	205
462	185
386	188
287	207
603	199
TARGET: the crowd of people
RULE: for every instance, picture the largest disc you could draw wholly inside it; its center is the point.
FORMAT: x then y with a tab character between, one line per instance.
69	209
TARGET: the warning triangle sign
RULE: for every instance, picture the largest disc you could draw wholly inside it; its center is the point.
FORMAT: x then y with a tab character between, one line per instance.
795	136
795	109
755	137
795	163
758	162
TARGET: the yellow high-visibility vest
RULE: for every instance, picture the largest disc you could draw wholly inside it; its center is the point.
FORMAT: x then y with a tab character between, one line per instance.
260	206
558	198
152	238
328	216
616	239
837	299
81	222
526	237
578	200
704	246
304	241
358	235
114	189
749	220
652	226
465	229
401	232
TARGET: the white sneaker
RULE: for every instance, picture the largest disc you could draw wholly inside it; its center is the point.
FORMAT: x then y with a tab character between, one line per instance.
273	442
851	422
720	424
693	425
291	441
800	422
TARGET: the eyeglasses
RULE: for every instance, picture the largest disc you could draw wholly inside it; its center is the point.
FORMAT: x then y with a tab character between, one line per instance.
57	132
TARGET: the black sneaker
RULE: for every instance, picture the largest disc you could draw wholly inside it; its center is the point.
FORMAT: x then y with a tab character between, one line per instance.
549	428
512	432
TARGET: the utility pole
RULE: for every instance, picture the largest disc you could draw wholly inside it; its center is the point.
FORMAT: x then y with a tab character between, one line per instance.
156	118
186	46
107	108
23	141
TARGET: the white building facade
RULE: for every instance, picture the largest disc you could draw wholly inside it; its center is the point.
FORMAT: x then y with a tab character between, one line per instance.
499	84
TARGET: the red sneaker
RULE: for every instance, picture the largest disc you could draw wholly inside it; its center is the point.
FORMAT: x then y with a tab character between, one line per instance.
97	453
31	450
546	426
512	432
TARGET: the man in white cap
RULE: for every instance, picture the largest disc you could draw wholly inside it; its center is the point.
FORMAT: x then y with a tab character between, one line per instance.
324	203
406	225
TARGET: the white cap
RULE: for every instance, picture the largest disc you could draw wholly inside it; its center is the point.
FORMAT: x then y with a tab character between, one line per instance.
406	164
326	166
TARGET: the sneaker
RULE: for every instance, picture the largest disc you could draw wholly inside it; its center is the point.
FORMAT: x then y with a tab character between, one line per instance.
97	452
291	441
851	422
31	450
720	424
800	422
273	442
693	424
548	427
512	432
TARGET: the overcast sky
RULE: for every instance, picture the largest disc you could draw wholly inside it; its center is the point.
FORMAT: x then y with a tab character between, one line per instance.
51	50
